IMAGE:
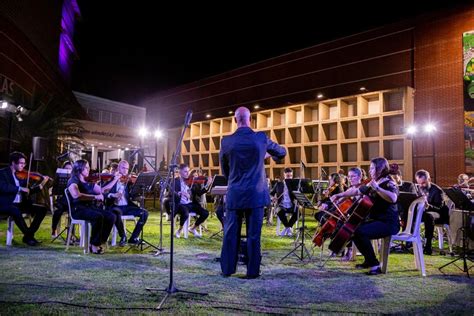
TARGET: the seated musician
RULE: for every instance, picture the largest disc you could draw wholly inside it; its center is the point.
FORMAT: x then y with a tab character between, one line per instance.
285	203
436	211
383	219
14	200
335	187
121	204
83	207
184	201
403	186
60	206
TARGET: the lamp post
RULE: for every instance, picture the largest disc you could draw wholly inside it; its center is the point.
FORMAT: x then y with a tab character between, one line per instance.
429	129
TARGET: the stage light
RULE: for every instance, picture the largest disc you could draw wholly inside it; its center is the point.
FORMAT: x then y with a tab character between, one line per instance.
429	128
363	89
4	104
231	112
411	130
142	132
256	106
126	148
208	115
319	96
158	134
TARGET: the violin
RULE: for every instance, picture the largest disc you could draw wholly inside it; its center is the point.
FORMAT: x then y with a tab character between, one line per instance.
99	176
33	176
129	179
196	180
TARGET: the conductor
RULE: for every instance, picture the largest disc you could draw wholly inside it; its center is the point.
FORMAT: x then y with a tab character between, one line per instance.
242	157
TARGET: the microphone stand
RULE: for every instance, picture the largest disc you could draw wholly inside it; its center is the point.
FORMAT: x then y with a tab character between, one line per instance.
170	183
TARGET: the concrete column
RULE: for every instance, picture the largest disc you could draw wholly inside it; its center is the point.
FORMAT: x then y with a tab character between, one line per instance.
94	158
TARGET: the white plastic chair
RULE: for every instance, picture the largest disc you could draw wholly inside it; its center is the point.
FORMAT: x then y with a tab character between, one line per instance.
408	236
11	228
85	229
185	230
125	218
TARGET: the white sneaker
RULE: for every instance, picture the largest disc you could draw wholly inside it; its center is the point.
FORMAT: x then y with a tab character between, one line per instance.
283	232
178	234
289	232
195	233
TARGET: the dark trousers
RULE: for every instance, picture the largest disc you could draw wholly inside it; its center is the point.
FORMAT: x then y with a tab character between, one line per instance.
232	235
37	211
15	213
431	218
102	222
372	230
282	216
184	209
141	213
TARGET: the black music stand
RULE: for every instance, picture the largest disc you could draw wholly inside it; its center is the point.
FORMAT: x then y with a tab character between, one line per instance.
60	183
145	182
303	201
466	207
219	181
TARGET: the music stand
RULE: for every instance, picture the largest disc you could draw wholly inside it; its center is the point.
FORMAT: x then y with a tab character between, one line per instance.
466	207
303	201
60	184
219	189
145	182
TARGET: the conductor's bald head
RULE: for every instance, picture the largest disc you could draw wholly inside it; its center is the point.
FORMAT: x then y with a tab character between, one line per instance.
242	117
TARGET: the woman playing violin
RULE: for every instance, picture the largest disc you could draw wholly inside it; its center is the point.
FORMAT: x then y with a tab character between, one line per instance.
383	219
13	198
83	195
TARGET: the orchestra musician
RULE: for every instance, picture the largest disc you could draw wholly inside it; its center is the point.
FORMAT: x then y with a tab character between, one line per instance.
436	211
84	194
61	206
285	203
121	204
383	219
403	186
184	192
335	187
14	199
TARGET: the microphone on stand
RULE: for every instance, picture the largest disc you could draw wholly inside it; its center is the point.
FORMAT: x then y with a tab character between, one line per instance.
187	120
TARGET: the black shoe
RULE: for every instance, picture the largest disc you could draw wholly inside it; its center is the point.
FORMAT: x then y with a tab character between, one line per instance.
376	271
123	241
225	275
134	241
362	265
36	240
428	251
29	241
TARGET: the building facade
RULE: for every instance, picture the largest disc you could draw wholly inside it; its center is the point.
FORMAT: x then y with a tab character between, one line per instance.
423	54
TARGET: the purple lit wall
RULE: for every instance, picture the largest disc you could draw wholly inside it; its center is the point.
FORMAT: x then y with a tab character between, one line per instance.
67	51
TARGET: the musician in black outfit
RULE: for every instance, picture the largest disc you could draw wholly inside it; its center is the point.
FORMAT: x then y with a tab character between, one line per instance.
436	212
120	203
60	206
383	218
14	201
403	186
84	195
285	203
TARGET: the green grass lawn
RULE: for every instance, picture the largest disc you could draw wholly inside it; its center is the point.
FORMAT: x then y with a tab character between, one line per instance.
48	280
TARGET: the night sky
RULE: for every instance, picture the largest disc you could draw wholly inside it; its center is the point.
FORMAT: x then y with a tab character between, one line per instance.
131	49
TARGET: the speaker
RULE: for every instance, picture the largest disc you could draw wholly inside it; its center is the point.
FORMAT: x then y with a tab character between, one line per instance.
40	148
